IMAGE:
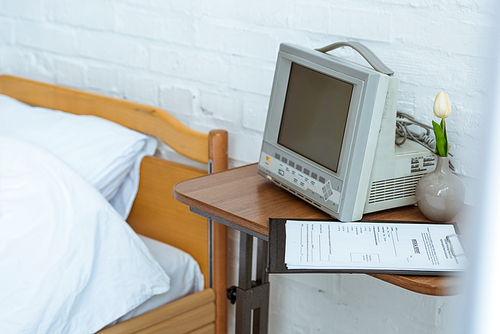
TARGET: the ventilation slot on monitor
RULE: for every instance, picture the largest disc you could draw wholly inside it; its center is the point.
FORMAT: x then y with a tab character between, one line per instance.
391	189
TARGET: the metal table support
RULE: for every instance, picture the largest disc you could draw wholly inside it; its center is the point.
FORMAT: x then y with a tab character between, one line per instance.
250	296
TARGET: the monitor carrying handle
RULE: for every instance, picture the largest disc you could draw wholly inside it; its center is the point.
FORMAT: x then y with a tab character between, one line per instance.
368	54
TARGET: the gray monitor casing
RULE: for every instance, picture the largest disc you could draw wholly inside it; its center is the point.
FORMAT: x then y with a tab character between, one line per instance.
368	154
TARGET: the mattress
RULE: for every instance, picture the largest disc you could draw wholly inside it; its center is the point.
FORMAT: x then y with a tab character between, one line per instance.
184	272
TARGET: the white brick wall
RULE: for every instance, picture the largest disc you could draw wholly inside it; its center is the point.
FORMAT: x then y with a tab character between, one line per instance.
211	64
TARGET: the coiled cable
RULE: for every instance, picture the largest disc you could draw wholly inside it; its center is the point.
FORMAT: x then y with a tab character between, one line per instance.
403	133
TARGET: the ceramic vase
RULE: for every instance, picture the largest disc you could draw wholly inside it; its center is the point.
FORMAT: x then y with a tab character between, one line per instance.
440	194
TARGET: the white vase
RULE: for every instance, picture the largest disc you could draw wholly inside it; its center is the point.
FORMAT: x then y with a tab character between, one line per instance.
440	194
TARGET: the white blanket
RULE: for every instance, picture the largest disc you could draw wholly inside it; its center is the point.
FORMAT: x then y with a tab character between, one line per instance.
68	262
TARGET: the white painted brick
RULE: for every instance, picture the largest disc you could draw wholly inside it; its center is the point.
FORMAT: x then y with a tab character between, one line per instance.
355	289
28	9
255	113
69	73
263	13
179	7
139	2
106	79
45	37
112	48
165	60
447	36
177	100
422	3
360	303
245	147
16	61
28	64
190	64
362	24
397	2
91	14
322	282
314	18
6	31
178	29
139	22
140	89
290	296
219	106
207	67
251	79
235	40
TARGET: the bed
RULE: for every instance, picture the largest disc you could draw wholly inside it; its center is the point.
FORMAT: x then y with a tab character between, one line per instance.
153	214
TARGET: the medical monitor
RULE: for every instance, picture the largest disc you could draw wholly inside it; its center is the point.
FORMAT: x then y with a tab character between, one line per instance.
322	131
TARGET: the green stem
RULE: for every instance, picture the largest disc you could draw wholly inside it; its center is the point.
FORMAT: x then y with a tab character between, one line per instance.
441	142
446	146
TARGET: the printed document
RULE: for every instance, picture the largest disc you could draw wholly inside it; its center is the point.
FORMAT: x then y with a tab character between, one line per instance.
373	245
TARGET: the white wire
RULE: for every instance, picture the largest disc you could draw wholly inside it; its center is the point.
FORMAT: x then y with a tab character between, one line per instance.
403	121
424	139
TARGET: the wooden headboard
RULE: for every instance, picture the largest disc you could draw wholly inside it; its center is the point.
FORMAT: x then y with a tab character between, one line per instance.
155	212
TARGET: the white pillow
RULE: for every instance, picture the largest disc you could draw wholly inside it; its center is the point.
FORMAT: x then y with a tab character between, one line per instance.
104	153
69	262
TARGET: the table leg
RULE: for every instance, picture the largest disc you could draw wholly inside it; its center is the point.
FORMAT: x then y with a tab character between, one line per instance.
252	295
261	314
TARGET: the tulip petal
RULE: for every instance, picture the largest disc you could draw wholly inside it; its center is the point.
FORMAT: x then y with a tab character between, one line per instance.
442	105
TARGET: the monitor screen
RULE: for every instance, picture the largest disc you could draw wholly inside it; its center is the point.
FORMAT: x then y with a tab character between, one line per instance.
315	115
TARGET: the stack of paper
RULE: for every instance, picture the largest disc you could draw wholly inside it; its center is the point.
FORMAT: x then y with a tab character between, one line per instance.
373	245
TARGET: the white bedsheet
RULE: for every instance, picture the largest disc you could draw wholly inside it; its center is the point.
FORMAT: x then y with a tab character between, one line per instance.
184	272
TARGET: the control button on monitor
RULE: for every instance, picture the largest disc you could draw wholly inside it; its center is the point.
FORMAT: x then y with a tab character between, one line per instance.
306	171
314	175
281	172
277	156
299	168
327	190
285	160
291	163
322	179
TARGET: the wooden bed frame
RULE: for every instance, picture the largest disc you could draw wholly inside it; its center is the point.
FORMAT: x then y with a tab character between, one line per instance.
155	212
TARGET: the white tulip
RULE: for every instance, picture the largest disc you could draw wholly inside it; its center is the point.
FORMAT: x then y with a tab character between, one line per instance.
442	105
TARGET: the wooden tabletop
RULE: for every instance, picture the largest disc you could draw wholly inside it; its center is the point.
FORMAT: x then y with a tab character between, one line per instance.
241	198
